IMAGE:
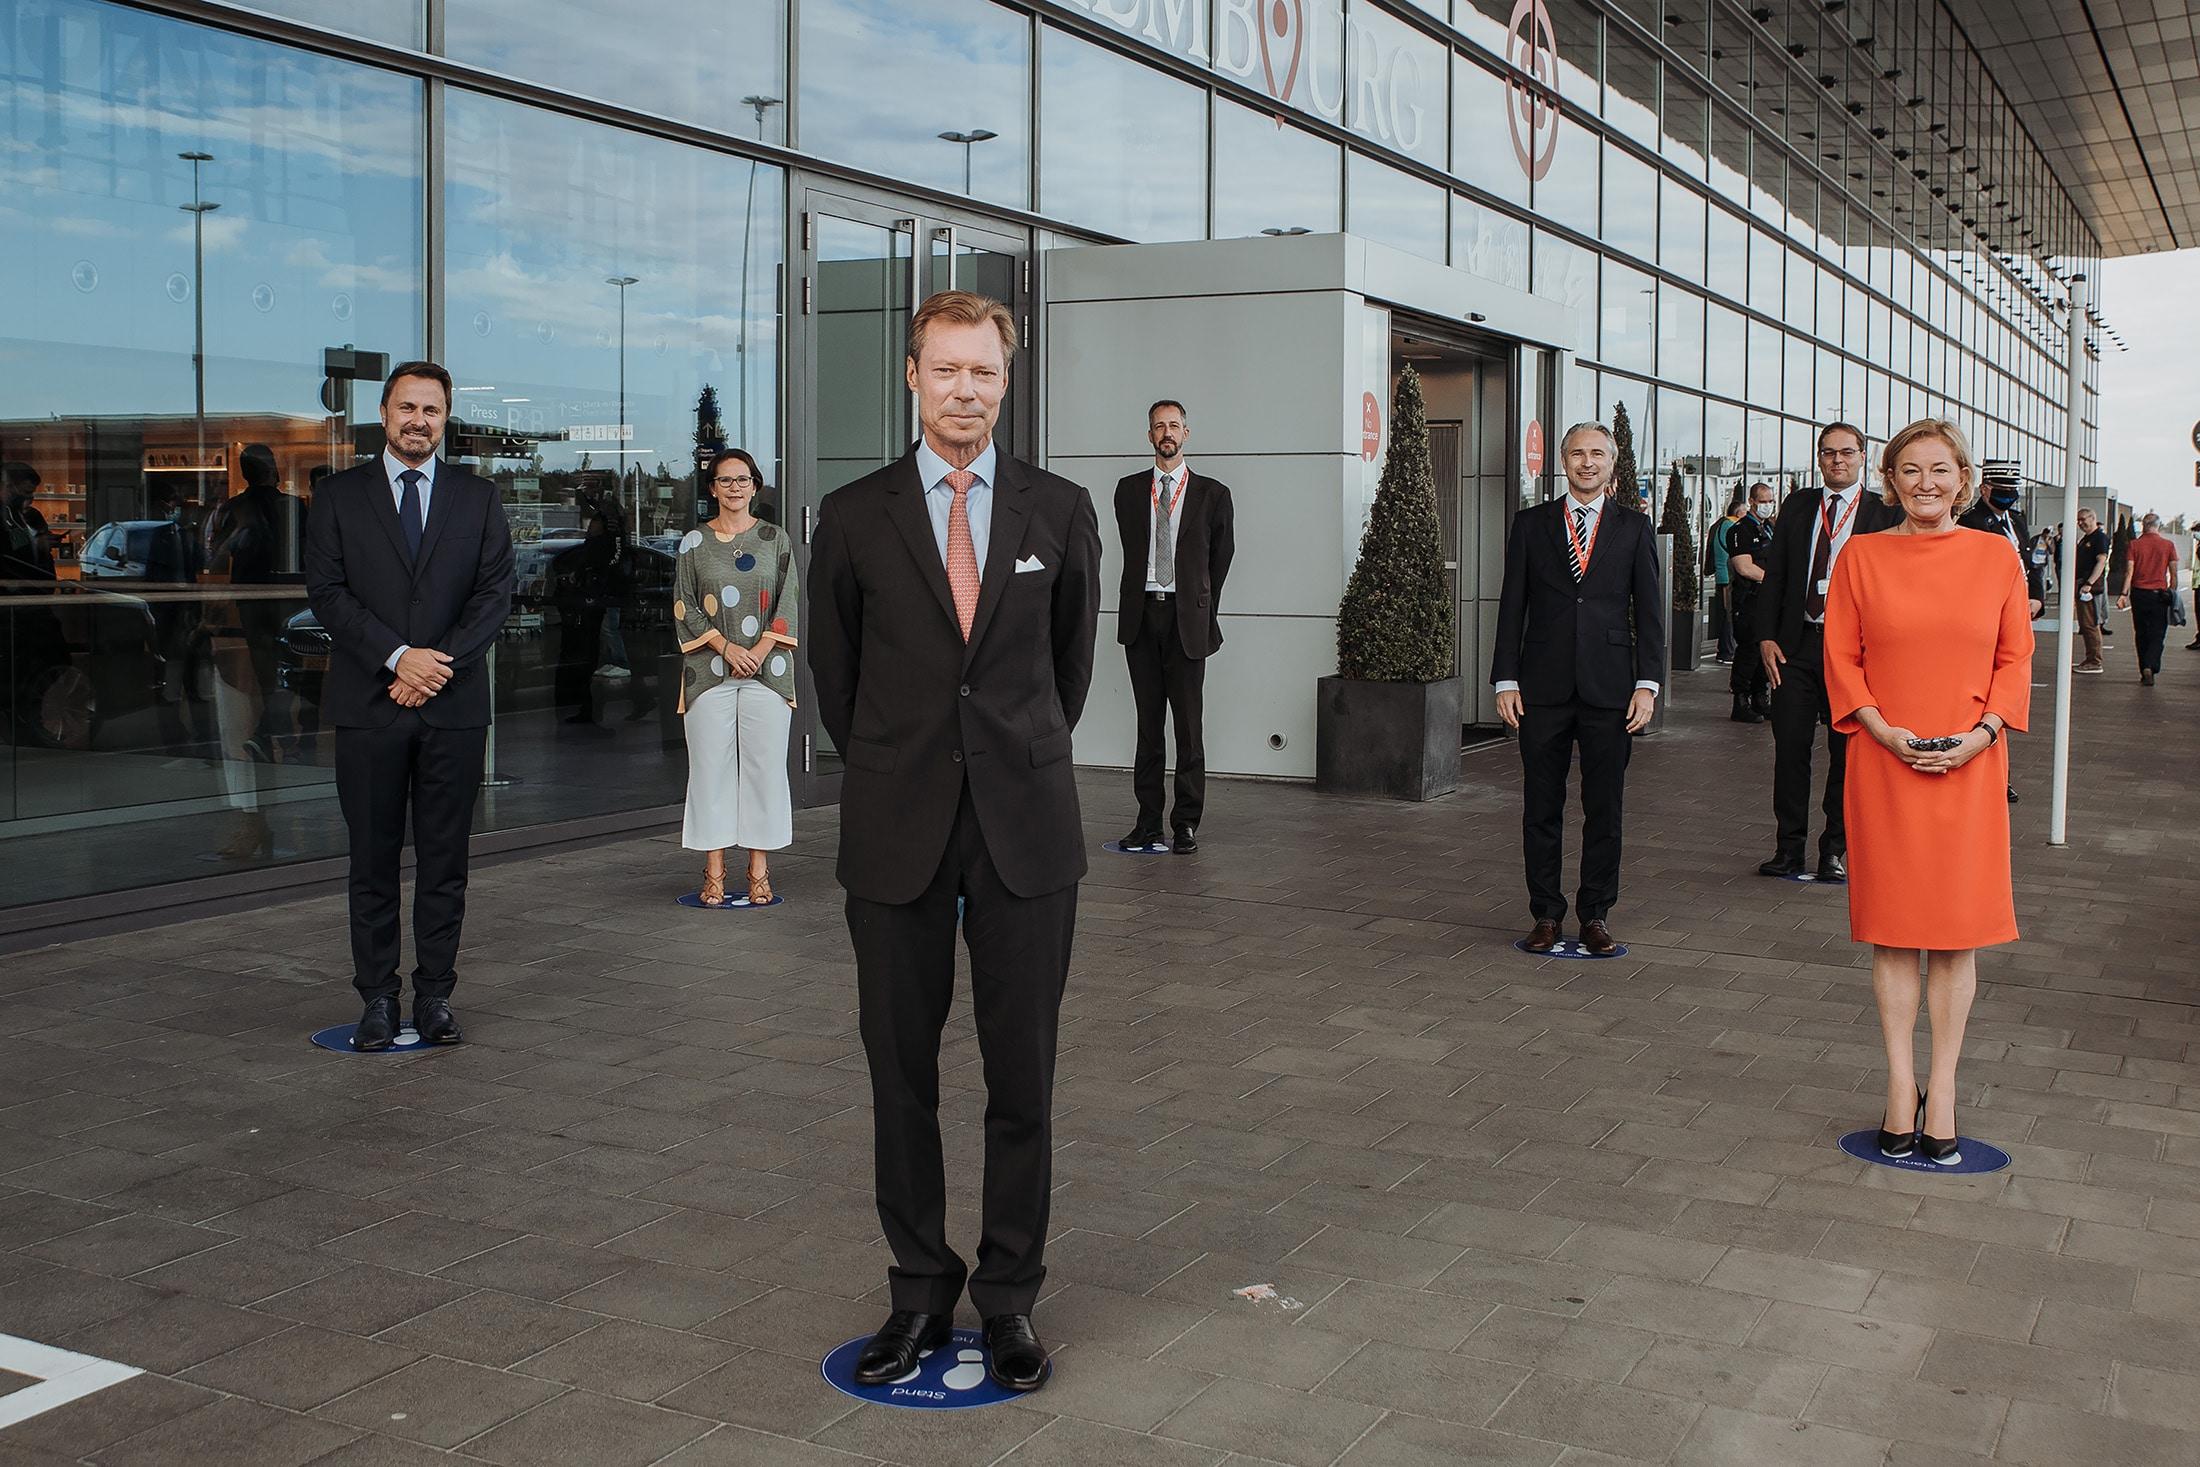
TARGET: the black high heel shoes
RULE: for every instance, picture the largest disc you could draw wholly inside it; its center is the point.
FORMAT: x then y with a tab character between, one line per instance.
1895	1145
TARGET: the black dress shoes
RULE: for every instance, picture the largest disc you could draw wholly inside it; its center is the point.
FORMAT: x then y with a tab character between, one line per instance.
1186	842
432	1021
377	1029
1598	939
1782	866
1833	868
900	1343
1139	840
1544	938
1743	712
1014	1358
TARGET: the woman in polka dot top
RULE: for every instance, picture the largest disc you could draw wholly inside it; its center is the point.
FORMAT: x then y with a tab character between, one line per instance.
734	601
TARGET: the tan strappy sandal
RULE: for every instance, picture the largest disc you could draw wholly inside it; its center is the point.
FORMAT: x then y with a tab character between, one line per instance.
760	889
714	888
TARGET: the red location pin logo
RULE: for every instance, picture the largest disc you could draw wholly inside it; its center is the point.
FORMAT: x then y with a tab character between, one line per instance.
1282	32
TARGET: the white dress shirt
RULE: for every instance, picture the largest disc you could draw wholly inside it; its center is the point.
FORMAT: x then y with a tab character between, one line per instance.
1595	508
392	466
1178	479
939	498
1839	502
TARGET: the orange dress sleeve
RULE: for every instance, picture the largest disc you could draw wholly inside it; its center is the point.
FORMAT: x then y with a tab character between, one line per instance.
1846	690
2009	694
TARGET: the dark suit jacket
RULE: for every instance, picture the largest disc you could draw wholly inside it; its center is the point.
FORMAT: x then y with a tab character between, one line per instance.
372	598
1787	566
1561	641
1982	516
915	711
1205	543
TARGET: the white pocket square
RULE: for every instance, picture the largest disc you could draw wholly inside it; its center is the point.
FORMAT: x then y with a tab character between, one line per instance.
1029	563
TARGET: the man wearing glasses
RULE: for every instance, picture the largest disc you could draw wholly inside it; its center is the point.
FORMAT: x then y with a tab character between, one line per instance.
1813	526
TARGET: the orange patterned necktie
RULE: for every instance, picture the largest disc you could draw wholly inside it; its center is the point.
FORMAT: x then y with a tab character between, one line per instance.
962	554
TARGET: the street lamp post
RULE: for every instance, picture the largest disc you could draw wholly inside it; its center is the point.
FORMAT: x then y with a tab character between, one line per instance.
622	282
975	135
761	104
198	209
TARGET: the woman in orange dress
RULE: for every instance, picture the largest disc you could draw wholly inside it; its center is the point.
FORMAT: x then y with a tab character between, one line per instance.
1928	638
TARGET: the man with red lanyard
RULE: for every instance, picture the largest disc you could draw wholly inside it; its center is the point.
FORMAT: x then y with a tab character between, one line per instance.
2149	566
1813	527
1178	540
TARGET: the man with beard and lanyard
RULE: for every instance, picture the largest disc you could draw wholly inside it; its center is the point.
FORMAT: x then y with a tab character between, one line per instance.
1813	526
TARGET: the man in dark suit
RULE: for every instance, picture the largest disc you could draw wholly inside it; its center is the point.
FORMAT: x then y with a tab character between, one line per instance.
409	569
1580	658
1813	527
953	599
1177	543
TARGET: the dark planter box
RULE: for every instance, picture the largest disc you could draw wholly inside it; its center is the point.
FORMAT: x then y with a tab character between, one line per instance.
1395	739
1686	642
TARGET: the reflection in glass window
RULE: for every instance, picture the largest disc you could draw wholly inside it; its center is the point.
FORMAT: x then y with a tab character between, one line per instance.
876	99
1726	343
1488	244
1397	85
158	734
1613	390
1142	175
1681	229
1680	335
1726	267
1394	208
1568	193
1629	337
1271	177
643	59
1687	124
395	22
1802	288
1482	149
1764	364
1631	87
1579	30
1630	204
1801	358
1567	273
1766	256
1730	154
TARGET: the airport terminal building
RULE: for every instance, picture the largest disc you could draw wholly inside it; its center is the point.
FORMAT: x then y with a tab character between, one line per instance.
634	234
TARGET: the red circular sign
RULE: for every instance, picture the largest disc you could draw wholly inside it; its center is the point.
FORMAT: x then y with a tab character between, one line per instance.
1532	47
1371	426
1535	449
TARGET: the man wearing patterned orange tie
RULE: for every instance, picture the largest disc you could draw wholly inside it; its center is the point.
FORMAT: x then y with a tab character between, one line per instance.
1580	658
954	596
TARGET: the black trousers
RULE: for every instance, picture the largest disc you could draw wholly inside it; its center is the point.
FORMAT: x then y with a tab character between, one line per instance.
1747	680
905	982
1162	673
1799	706
1722	620
2150	626
1548	734
382	776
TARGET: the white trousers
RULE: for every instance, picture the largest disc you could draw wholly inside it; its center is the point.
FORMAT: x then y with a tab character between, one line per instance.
737	770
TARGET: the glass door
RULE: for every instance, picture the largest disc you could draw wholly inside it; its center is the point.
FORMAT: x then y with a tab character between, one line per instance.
862	265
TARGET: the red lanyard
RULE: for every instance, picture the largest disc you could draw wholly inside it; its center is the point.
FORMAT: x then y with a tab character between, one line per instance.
1573	537
1176	496
1825	519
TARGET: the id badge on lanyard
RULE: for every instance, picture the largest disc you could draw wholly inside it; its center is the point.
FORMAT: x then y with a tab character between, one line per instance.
1833	535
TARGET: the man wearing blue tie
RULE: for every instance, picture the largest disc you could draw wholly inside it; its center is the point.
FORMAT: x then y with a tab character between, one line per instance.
409	569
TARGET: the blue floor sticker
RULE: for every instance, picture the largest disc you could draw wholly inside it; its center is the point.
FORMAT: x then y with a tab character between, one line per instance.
1570	949
1977	1155
1812	878
951	1378
733	903
339	1039
1158	848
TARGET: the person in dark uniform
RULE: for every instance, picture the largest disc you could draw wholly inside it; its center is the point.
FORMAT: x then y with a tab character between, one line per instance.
1748	545
1996	513
1177	545
1813	526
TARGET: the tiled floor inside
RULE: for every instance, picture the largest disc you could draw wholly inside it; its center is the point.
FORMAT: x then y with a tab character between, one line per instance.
1529	1211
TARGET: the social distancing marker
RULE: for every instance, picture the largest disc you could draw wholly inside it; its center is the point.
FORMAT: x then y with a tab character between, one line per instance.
1812	878
951	1378
1976	1156
58	1376
1157	848
408	1041
732	903
1573	951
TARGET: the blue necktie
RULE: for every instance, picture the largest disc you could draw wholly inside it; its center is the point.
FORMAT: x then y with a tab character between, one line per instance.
408	511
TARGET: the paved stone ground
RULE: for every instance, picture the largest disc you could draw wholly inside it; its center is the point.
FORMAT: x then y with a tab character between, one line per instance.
1536	1212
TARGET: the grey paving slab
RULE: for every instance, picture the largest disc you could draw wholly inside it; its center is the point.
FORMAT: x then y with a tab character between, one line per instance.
1528	1212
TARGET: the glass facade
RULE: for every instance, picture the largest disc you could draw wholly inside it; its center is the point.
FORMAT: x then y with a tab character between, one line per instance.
1757	218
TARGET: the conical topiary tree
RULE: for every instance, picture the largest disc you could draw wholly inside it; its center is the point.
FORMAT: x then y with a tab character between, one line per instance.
1394	625
1675	522
1626	475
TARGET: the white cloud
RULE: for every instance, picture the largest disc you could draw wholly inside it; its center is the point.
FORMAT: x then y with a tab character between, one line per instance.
2151	395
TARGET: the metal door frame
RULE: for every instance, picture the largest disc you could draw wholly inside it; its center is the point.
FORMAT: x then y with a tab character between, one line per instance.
927	225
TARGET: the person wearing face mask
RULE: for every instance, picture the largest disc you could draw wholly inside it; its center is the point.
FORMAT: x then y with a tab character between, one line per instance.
1747	547
734	597
1996	513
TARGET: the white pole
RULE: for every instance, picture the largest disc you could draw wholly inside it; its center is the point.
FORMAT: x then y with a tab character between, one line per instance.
2066	613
